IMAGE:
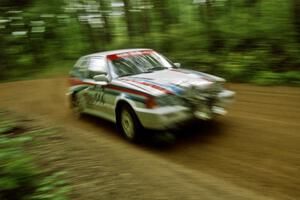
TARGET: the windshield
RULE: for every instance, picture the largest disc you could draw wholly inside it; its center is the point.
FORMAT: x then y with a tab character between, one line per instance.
138	62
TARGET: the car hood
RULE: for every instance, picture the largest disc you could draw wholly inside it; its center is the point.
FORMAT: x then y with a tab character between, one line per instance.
168	81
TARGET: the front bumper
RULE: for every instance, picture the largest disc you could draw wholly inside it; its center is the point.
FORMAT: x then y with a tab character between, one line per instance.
207	112
164	118
171	116
225	97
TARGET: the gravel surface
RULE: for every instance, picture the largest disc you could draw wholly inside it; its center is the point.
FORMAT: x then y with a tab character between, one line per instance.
252	153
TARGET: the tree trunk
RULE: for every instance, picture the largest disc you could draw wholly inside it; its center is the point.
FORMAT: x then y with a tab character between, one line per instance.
128	19
105	6
296	16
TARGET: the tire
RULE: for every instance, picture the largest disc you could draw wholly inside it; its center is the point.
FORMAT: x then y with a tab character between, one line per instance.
129	124
78	106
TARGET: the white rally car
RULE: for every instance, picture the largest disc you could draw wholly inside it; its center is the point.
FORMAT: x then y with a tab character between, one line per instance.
140	88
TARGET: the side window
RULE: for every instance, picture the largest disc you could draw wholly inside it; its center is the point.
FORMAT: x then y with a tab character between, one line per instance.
96	66
83	63
80	68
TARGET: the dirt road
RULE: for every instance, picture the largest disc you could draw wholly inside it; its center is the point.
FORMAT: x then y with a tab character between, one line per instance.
252	153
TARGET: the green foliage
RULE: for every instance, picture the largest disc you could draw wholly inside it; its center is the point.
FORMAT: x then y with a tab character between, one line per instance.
18	175
241	40
20	178
272	78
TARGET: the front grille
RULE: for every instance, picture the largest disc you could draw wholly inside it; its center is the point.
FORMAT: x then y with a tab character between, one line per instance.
203	96
215	88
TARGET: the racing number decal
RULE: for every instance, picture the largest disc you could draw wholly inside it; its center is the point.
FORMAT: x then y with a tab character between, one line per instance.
98	96
94	96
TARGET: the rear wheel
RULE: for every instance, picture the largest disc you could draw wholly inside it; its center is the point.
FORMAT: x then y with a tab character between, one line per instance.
78	105
129	123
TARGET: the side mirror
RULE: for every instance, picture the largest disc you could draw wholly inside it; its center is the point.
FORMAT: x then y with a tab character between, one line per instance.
101	79
177	65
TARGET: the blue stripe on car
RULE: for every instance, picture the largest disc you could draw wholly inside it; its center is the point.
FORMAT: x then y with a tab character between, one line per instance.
172	87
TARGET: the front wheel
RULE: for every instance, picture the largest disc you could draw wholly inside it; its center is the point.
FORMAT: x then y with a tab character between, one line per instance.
129	123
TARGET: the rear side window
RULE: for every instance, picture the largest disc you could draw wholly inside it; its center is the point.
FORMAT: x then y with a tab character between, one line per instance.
80	68
81	63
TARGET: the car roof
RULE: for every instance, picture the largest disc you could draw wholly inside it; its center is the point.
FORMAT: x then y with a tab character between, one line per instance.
105	53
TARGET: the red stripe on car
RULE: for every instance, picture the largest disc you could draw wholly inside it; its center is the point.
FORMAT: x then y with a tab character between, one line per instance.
129	54
127	90
76	81
152	86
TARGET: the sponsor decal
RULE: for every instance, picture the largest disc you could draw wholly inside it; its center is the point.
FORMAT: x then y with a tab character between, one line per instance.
171	86
113	89
127	90
129	54
152	85
76	81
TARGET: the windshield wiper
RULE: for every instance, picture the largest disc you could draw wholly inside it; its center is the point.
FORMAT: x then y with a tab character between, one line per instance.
130	74
148	71
156	68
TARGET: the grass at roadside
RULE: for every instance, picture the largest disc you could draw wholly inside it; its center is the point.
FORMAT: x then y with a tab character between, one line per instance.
56	69
20	176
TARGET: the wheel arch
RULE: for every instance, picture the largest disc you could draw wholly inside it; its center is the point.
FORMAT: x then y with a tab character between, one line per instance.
74	91
125	102
119	105
138	127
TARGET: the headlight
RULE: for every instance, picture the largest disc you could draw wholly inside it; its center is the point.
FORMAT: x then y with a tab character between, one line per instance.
169	100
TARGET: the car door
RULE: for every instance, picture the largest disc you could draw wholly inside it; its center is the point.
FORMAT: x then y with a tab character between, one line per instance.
95	93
